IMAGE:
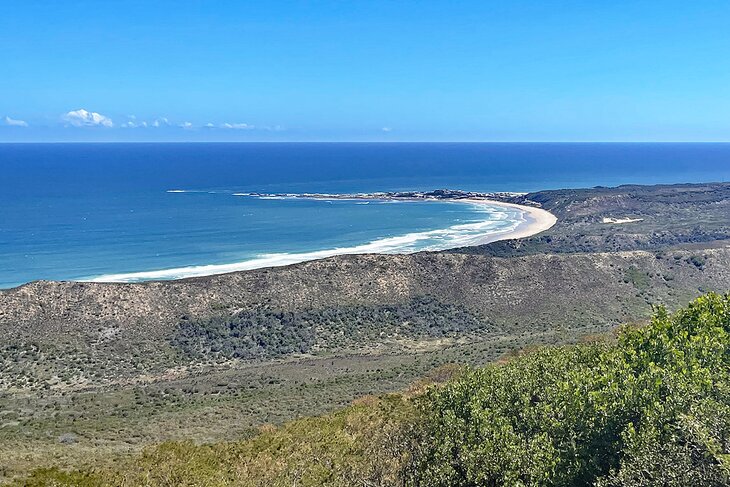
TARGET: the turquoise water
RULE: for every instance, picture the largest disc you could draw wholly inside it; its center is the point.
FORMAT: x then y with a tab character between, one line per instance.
104	211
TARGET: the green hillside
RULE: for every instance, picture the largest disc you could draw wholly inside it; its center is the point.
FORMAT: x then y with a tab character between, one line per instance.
651	407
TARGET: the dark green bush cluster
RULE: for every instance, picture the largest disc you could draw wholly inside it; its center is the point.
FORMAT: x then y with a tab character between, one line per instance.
266	333
247	335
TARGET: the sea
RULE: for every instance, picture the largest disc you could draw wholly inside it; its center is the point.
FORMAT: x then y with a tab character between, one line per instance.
135	212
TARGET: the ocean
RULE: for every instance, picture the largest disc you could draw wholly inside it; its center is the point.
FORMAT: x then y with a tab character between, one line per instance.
131	212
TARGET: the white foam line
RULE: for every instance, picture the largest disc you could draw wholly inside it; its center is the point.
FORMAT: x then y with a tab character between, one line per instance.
531	221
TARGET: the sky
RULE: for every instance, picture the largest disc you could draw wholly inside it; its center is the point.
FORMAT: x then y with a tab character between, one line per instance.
364	70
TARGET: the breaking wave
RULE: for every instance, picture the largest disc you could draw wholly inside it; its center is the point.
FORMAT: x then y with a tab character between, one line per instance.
500	222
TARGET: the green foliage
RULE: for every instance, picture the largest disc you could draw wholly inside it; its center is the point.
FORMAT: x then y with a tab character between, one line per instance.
368	443
652	410
56	477
266	333
639	279
697	261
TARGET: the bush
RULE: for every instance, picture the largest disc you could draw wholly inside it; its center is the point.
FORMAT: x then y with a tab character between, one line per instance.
654	409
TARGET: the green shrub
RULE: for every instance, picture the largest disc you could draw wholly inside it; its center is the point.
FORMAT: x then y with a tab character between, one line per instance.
653	409
55	477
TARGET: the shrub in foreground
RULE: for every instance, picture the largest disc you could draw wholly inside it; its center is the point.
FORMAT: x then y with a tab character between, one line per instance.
652	409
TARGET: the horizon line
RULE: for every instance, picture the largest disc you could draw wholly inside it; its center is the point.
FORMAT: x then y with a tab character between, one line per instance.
50	142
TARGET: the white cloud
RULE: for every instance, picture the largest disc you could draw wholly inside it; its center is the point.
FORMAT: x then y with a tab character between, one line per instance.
237	126
84	118
161	122
386	129
232	126
15	123
133	123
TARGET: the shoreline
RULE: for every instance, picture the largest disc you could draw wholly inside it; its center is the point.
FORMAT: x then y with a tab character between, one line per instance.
534	221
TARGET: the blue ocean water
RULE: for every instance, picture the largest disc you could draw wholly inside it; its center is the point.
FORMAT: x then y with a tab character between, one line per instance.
90	211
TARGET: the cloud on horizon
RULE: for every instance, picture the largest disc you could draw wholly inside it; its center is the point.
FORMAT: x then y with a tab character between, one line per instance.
161	122
238	126
84	118
132	123
15	123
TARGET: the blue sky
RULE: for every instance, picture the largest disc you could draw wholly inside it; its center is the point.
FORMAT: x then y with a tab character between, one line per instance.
365	70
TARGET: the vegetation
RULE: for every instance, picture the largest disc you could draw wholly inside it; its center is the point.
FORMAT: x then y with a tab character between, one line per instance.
265	333
649	408
653	409
667	215
93	373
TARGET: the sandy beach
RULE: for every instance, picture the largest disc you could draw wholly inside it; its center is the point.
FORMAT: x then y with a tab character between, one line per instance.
536	220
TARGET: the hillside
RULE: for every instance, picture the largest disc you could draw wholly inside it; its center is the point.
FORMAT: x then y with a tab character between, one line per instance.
650	409
91	370
666	216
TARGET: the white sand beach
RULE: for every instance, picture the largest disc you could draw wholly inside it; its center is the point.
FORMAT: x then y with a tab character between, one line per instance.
536	220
